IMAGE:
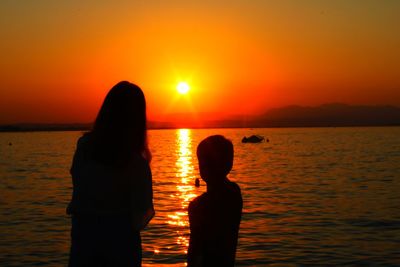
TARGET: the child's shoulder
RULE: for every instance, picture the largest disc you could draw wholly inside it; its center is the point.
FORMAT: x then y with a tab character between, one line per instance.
234	187
198	201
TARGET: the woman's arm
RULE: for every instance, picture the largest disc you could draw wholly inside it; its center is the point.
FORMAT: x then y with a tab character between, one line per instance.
148	198
77	161
142	200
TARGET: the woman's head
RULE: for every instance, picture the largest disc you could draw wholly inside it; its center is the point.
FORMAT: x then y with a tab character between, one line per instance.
120	127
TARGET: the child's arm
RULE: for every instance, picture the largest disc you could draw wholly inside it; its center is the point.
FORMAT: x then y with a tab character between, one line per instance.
195	243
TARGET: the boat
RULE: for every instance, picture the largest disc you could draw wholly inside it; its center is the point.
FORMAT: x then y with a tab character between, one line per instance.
253	139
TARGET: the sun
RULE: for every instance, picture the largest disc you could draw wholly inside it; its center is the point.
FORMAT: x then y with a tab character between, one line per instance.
183	88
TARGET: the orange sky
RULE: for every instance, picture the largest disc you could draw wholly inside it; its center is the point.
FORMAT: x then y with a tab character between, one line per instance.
59	58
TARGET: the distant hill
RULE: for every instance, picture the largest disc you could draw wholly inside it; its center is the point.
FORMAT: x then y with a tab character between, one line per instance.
27	127
328	115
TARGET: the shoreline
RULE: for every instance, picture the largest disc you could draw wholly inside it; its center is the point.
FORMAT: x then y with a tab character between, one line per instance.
62	128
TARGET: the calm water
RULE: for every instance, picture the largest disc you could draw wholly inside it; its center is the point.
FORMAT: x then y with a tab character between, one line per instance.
318	196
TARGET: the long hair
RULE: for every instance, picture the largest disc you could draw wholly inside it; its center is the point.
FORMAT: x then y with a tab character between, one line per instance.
120	129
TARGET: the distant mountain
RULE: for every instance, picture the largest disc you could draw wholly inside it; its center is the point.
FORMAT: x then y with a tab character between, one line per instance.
26	127
328	115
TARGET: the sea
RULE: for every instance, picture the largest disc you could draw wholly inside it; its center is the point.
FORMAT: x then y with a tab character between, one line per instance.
312	196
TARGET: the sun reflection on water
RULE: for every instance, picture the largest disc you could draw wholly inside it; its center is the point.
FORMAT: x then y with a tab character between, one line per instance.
185	189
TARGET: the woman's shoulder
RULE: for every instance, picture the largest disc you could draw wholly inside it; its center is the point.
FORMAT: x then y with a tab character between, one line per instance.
83	142
139	161
84	139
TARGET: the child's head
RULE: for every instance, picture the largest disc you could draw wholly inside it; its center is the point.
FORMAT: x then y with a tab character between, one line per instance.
215	155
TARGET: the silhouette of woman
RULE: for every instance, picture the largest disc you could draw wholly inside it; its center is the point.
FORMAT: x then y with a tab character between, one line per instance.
112	197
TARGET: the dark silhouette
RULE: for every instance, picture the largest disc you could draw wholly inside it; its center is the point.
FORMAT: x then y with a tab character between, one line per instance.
215	215
253	139
112	196
197	182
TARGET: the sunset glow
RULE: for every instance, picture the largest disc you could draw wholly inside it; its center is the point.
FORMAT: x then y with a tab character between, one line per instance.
187	133
242	57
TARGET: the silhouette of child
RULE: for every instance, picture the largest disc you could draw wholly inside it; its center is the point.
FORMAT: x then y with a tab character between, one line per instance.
215	215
